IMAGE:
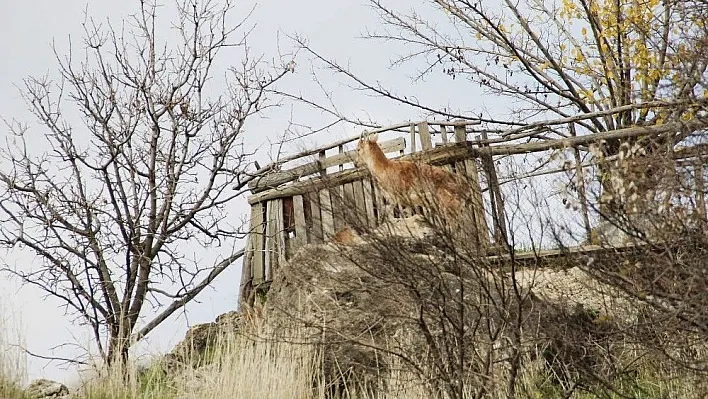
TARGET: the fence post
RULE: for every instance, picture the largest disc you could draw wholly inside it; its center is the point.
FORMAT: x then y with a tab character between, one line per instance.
495	197
426	142
581	187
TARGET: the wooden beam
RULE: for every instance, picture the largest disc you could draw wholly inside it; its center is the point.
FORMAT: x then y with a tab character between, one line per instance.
275	179
466	150
258	234
426	141
327	216
436	156
300	223
315	234
246	285
460	134
337	143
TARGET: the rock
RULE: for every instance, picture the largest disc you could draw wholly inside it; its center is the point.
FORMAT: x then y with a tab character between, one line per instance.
199	338
369	294
43	388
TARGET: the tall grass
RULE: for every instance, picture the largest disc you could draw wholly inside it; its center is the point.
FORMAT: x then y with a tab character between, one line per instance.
258	363
13	365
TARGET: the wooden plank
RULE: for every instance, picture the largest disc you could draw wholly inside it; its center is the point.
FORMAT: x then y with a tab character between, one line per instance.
581	188
277	178
300	238
369	202
258	233
246	285
472	174
426	142
279	240
496	198
341	151
337	199
272	241
380	204
348	210
443	133
511	149
315	234
321	163
412	131
359	204
327	216
460	134
436	156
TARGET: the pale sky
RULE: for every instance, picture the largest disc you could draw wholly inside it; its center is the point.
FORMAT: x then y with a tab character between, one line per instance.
332	28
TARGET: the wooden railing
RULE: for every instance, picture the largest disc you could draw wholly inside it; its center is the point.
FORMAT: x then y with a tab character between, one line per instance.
305	198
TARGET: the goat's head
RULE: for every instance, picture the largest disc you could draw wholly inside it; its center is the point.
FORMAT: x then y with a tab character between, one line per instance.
365	147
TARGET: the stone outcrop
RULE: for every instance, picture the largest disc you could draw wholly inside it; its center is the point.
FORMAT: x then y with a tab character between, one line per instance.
199	338
46	389
365	293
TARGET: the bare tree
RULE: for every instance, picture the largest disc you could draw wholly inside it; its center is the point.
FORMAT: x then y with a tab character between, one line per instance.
624	63
108	208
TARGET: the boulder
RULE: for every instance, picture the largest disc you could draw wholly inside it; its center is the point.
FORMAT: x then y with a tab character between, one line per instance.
192	349
43	388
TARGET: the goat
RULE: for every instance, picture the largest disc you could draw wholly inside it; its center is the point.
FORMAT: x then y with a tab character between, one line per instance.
346	236
414	184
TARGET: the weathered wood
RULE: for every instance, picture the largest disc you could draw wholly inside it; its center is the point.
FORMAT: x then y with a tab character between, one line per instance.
280	237
581	187
495	197
466	150
590	115
360	204
436	156
636	131
300	238
426	142
274	227
246	285
341	151
315	235
443	133
472	174
369	202
460	134
337	198
277	178
327	216
258	233
271	166
320	163
380	203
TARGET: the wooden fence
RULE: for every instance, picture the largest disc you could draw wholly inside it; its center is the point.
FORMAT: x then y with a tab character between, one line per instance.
309	202
300	200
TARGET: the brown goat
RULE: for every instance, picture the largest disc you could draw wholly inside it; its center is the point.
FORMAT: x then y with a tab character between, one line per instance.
414	184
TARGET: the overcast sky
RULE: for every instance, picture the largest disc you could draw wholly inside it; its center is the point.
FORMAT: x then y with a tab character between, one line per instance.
332	28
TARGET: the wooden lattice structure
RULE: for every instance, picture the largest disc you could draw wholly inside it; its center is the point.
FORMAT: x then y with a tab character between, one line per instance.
308	203
306	198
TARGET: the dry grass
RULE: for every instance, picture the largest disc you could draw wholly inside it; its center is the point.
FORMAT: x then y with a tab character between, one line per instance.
12	362
250	366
